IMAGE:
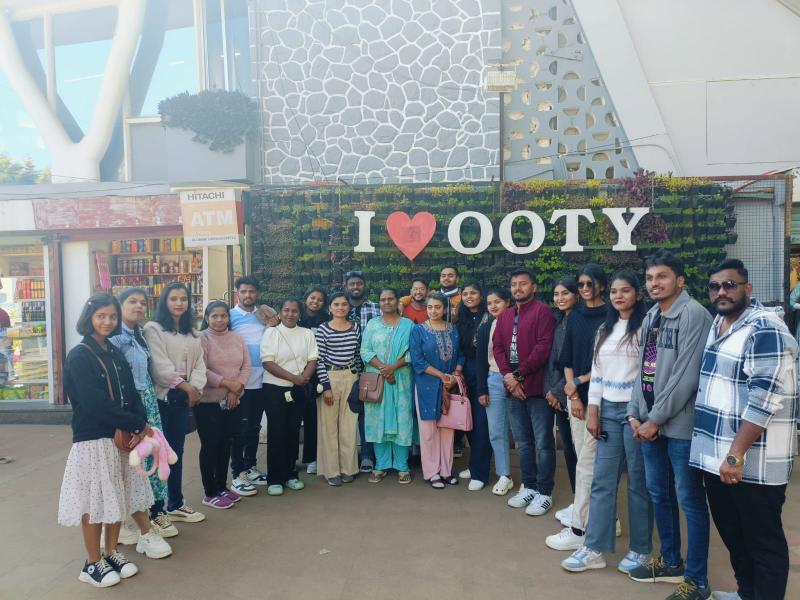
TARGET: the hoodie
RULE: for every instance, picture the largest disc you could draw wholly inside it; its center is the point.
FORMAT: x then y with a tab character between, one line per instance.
579	339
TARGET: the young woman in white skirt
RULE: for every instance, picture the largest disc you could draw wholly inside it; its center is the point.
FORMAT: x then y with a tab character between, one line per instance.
99	487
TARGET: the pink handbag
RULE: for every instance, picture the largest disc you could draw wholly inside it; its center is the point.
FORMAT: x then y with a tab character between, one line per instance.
456	410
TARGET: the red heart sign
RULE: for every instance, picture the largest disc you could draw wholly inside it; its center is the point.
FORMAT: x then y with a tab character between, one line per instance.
411	235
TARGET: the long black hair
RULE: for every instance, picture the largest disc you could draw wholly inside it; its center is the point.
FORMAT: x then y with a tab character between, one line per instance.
477	287
93	304
612	315
597	276
163	316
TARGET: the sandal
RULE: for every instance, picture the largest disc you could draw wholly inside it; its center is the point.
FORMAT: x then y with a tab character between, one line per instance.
437	483
451	480
404	477
376	476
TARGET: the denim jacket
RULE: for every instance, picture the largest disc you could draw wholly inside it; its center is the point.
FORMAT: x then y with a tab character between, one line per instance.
138	356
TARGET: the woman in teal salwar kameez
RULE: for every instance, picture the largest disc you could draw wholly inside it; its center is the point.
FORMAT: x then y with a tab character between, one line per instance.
389	424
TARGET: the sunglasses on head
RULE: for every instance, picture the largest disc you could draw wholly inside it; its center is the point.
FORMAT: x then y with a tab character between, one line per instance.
586	284
729	285
349	274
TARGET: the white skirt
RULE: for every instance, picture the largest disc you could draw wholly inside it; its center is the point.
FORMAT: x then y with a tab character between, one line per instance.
99	482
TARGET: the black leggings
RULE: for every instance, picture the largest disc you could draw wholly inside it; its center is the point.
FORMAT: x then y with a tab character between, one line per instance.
215	428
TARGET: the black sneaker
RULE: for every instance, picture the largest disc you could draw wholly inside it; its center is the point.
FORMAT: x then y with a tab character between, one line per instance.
655	570
122	565
688	590
99	574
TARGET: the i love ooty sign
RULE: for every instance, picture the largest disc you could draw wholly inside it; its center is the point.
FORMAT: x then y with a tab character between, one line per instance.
412	234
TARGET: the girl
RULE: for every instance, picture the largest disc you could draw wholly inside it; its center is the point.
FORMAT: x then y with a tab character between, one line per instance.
179	374
314	315
437	361
227	363
98	486
614	369
338	366
492	393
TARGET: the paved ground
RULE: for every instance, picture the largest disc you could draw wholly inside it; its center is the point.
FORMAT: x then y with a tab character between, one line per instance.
361	541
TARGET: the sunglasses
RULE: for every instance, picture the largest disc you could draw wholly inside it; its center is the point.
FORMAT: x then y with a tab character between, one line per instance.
586	284
349	274
715	286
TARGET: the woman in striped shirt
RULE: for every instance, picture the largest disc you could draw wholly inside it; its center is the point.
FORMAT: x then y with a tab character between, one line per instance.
338	367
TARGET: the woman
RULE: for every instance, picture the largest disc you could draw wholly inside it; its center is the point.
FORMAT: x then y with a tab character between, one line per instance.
492	393
179	374
338	366
227	372
614	370
131	343
99	487
314	315
471	316
389	424
565	297
576	358
437	361
289	357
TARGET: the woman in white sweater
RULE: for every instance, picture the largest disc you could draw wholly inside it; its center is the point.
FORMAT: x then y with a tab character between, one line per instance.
614	369
179	375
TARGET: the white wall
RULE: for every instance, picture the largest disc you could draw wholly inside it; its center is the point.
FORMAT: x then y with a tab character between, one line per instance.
77	278
725	75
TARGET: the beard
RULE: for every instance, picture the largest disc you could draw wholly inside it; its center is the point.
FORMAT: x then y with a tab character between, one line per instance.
732	308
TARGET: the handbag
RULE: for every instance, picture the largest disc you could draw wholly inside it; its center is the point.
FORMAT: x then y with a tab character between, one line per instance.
456	409
370	385
122	438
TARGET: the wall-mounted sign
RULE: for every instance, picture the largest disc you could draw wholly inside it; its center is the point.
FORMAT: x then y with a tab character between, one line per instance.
211	217
411	235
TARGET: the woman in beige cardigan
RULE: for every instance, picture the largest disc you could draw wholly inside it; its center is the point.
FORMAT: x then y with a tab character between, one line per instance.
179	374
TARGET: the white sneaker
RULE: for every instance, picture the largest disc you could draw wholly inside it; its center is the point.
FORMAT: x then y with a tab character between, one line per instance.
163	526
465	474
311	469
630	561
522	498
475	485
254	476
566	539
127	535
564	516
539	505
153	545
243	488
725	596
186	514
618	529
583	559
503	486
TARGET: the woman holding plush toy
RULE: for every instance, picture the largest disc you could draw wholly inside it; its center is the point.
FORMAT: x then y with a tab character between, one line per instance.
99	487
227	372
179	375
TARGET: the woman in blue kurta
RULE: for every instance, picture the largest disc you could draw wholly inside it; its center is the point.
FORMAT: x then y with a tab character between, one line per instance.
437	360
389	424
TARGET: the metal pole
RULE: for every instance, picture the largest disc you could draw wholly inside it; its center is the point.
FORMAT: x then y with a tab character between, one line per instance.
502	134
230	274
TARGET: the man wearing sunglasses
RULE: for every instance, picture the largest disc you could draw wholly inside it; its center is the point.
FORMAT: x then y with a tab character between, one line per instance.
745	431
661	415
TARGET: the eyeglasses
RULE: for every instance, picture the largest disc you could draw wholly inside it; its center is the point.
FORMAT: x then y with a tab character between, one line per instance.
715	286
586	284
349	274
419	289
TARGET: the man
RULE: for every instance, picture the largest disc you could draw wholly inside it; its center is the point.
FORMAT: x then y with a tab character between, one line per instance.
361	311
448	281
250	324
745	431
416	309
661	414
521	346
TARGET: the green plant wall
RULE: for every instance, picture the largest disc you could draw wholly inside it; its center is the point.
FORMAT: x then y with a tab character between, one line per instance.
305	236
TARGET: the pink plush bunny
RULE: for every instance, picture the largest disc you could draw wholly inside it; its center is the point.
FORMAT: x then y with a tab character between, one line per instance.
157	447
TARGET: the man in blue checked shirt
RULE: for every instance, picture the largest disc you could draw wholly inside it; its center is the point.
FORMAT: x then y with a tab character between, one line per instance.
745	434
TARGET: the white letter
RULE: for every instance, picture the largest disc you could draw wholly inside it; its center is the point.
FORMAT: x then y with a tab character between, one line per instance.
572	243
624	229
224	217
454	232
364	238
197	219
537	227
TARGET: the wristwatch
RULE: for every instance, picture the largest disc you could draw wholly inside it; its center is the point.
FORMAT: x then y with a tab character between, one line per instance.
630	418
734	461
576	381
518	376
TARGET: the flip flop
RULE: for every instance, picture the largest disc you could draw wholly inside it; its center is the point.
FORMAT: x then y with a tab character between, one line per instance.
437	483
4	460
451	480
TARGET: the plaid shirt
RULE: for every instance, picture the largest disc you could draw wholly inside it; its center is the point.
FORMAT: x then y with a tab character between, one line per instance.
364	313
749	373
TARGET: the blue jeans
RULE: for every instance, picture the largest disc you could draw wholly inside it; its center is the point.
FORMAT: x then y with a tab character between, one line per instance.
389	455
498	422
480	450
175	421
672	482
613	455
532	426
367	451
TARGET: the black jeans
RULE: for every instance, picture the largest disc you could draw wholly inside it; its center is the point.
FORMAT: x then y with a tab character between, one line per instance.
175	422
215	428
310	429
748	518
565	433
244	446
283	432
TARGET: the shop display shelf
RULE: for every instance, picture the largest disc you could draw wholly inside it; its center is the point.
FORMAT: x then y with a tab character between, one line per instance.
153	274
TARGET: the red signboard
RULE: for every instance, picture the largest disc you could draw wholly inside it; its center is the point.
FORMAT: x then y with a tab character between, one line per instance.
107	212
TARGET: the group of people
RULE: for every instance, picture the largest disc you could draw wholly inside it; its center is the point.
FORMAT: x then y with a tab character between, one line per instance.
701	412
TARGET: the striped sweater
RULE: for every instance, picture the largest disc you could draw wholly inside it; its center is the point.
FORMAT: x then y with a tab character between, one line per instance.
615	368
337	349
